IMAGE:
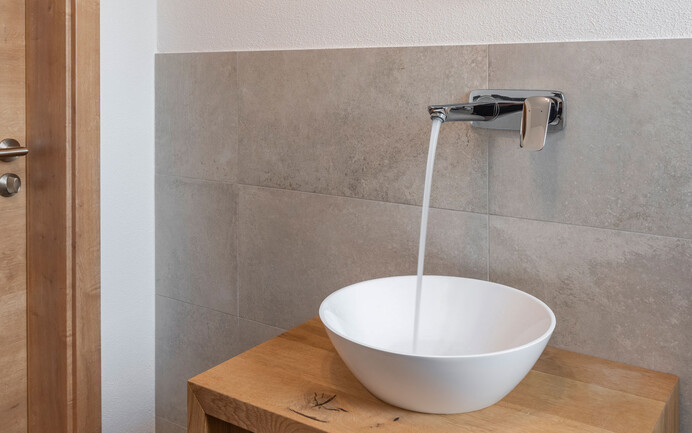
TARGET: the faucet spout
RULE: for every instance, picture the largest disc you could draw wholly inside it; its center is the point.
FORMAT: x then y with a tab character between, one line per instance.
468	112
474	111
533	113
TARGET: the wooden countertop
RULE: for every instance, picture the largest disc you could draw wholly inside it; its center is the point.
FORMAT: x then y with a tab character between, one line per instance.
297	383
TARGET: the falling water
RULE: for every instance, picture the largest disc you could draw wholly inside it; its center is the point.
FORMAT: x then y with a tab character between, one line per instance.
424	225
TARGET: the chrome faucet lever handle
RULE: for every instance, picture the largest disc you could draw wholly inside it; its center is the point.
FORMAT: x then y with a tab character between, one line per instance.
534	122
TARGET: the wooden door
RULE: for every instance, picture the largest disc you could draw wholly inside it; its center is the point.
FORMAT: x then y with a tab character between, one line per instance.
49	244
13	335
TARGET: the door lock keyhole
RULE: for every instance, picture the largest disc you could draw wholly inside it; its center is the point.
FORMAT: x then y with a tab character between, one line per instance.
10	184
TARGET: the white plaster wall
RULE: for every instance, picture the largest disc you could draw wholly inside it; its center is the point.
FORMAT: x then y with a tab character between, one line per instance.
227	25
128	43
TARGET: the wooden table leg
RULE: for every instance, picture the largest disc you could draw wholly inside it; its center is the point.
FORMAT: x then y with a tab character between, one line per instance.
199	422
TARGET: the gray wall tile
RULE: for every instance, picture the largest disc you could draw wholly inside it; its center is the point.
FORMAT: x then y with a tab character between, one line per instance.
251	333
189	340
623	160
295	248
196	242
617	295
165	426
197	115
354	123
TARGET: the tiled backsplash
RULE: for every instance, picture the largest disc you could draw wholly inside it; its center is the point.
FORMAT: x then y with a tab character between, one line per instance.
624	160
283	176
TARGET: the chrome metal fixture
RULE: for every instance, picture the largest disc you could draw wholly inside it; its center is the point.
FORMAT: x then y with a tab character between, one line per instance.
10	149
533	113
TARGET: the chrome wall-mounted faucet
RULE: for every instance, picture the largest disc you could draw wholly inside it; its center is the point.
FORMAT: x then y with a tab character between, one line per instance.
533	113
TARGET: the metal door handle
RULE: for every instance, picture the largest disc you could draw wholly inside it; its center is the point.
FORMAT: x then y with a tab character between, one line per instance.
10	149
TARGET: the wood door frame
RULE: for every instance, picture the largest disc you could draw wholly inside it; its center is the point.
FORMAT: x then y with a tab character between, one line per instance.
63	216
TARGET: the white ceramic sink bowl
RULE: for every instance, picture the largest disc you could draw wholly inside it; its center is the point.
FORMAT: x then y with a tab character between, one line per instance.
477	340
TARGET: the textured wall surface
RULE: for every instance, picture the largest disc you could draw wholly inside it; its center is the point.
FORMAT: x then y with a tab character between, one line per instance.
285	202
220	25
128	43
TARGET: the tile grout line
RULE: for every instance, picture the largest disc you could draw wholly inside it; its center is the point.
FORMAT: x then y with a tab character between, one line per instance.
182	176
237	188
197	305
237	251
273	188
222	312
487	173
263	324
592	227
171	422
487	213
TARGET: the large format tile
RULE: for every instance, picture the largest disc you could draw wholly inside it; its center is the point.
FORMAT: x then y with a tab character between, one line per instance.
295	248
189	340
197	115
354	122
196	242
624	159
617	295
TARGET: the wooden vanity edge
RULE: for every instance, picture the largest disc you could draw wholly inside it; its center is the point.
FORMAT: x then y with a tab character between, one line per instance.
669	422
239	414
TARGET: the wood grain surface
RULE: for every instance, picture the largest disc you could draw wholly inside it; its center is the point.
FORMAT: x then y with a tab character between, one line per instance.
297	383
13	339
63	293
86	215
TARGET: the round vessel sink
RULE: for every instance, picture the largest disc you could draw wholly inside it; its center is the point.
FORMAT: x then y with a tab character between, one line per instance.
477	340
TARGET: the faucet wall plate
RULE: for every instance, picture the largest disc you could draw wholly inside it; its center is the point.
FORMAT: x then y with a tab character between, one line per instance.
512	121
